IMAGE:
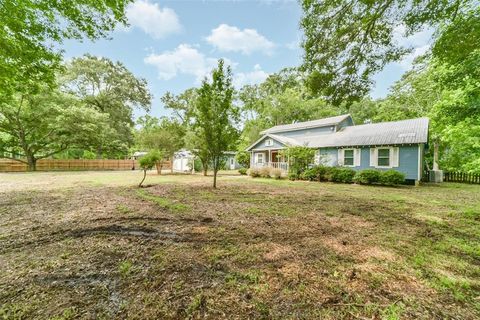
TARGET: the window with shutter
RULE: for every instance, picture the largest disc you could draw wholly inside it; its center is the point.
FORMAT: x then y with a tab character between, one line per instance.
348	157
383	157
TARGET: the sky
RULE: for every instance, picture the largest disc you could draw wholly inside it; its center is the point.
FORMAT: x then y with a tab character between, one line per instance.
174	44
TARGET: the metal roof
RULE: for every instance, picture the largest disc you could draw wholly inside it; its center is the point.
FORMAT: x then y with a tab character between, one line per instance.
411	131
307	124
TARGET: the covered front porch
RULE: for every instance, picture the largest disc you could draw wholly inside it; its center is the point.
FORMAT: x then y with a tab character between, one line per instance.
268	158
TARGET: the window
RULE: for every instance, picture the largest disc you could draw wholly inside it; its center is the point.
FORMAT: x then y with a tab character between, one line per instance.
269	142
259	157
383	157
348	157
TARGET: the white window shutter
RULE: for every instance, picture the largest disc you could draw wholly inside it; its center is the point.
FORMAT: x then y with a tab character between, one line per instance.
395	154
340	157
317	157
373	157
357	154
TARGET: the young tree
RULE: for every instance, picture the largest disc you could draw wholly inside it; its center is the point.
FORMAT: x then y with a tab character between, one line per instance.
148	161
215	116
196	144
31	28
42	125
109	88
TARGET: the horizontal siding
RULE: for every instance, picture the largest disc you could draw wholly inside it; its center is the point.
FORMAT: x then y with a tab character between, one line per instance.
408	160
261	144
307	132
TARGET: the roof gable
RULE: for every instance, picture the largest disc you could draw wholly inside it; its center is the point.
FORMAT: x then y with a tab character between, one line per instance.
280	142
308	124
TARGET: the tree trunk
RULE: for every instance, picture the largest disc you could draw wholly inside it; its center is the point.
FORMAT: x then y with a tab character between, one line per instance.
144	175
159	166
205	169
214	178
32	162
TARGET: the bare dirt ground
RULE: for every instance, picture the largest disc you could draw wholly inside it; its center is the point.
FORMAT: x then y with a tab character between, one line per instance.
91	245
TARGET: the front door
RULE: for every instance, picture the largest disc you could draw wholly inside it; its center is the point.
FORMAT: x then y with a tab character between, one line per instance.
275	156
232	164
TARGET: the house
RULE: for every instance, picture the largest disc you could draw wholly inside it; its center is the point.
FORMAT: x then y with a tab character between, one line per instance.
398	145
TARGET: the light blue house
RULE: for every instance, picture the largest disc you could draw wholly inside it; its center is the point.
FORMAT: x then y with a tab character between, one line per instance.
398	145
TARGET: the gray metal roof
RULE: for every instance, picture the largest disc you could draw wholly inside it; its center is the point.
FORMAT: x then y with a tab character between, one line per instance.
307	124
412	131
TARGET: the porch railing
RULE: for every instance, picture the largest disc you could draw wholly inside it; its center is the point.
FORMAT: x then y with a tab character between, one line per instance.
277	165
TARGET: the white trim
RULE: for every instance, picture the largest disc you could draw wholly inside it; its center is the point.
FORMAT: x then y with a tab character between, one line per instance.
343	157
389	158
419	175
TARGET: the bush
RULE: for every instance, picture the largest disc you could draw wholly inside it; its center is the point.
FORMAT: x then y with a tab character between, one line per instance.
254	172
293	176
367	176
265	172
242	171
392	177
316	173
276	173
344	175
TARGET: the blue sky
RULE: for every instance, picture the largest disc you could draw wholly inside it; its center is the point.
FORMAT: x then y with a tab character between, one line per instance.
173	44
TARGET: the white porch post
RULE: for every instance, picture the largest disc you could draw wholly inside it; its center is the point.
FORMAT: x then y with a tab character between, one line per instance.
269	155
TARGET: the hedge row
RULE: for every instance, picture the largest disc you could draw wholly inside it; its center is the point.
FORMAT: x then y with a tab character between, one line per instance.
348	175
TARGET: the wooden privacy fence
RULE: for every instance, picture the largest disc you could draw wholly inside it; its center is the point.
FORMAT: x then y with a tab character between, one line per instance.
461	177
7	165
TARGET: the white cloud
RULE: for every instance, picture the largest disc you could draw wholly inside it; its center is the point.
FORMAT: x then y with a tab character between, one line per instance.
184	59
152	19
256	76
228	38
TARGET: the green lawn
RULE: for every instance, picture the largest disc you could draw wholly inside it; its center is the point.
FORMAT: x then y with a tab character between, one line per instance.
92	245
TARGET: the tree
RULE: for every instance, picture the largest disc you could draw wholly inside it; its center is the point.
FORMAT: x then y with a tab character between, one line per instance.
281	99
182	105
161	134
109	88
32	28
42	125
196	144
148	161
243	158
346	42
299	159
215	115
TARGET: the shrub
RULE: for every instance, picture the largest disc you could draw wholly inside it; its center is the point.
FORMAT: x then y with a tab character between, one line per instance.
254	172
293	176
392	177
309	174
276	173
344	175
265	172
242	171
318	173
367	176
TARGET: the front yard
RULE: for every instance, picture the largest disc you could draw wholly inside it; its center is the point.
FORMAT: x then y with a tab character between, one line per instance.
92	245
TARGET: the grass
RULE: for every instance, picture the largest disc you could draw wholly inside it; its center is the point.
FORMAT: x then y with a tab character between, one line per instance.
92	245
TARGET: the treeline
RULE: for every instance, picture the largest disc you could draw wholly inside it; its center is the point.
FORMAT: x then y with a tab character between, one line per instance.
86	113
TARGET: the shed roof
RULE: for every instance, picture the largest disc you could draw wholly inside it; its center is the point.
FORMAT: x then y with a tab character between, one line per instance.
307	124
